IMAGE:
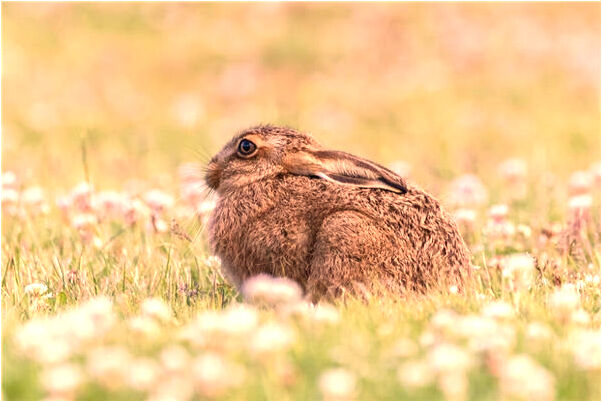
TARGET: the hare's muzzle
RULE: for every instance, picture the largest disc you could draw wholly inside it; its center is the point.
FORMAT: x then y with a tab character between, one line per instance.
212	178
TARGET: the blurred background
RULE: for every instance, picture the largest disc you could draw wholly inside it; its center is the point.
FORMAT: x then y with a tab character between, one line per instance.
444	88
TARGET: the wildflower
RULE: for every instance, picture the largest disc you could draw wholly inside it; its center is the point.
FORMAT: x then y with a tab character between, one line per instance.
264	289
134	211
109	204
62	381
99	312
326	313
41	340
564	301
36	289
580	204
175	359
142	374
447	357
173	388
453	384
522	378
444	319
580	317
498	310
404	348
144	325
81	197
9	196
34	197
239	320
537	332
108	365
513	170
580	182
520	271
467	190
213	375
585	347
158	201
157	225
156	309
498	212
9	180
271	337
524	231
337	384
415	374
465	216
83	222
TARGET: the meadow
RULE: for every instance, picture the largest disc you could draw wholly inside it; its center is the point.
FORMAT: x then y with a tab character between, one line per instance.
109	112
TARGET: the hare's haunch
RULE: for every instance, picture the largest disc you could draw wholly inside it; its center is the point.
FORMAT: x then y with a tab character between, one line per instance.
332	221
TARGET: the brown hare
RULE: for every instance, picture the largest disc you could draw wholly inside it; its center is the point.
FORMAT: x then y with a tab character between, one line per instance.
332	221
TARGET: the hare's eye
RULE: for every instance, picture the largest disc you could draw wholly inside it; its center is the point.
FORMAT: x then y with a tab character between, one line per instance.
246	147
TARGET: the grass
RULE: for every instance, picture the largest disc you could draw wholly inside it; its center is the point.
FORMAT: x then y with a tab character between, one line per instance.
133	306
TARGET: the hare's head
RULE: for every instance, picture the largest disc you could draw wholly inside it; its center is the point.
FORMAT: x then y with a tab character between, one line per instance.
266	152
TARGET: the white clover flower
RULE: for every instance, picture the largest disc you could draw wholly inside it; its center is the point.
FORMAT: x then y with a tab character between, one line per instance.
444	320
43	340
212	375
239	320
498	310
564	301
581	182
36	289
522	378
520	270
537	332
62	380
498	212
9	196
585	347
142	374
580	317
404	348
467	190
109	365
446	357
271	337
157	309
453	384
175	358
513	170
158	200
33	196
264	289
9	180
337	384
326	313
178	387
465	216
144	325
580	203
416	374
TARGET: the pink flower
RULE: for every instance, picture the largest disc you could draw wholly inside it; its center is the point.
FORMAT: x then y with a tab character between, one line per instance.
467	190
580	182
513	170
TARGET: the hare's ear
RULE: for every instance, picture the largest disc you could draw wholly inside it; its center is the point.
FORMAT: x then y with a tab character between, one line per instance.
343	168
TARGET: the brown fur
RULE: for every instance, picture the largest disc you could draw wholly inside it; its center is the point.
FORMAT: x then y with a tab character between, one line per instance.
329	220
